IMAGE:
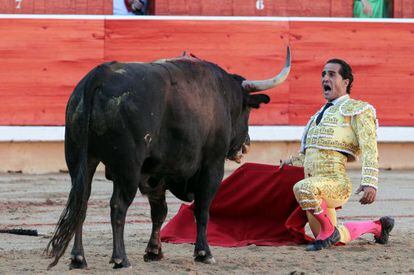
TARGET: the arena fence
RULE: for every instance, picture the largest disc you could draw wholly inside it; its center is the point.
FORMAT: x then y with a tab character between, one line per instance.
45	56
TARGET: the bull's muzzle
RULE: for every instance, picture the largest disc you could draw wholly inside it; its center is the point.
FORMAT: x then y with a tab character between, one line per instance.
245	148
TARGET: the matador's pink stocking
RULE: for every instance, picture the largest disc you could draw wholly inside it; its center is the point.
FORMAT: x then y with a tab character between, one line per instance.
357	229
327	228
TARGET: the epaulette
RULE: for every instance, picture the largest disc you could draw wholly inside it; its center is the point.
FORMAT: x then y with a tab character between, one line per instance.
353	107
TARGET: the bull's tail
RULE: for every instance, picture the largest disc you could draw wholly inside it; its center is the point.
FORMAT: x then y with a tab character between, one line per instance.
74	214
70	219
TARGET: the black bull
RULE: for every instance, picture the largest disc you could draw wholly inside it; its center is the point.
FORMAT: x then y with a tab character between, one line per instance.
167	125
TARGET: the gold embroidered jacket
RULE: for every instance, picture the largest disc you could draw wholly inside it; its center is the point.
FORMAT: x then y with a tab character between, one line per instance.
349	127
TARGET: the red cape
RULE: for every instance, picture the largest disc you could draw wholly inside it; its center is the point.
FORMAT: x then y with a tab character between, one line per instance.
254	205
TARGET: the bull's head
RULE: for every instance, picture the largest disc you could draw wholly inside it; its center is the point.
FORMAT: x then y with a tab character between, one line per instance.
241	142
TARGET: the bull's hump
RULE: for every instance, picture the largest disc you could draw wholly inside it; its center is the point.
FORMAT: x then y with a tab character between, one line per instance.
116	67
123	67
184	58
120	71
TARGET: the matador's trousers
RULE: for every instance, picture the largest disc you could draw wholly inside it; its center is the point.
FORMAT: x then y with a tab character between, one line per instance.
325	179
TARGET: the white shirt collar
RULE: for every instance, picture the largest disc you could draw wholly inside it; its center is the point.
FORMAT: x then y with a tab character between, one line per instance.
339	99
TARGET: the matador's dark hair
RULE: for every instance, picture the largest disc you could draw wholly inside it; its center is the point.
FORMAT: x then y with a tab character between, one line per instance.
345	72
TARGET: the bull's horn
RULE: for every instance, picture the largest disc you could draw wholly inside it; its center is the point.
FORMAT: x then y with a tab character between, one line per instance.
261	85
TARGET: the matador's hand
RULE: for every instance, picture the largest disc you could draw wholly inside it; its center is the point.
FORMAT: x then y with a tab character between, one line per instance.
369	194
285	162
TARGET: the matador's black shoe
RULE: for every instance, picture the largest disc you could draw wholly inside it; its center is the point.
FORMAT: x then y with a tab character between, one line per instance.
328	242
387	224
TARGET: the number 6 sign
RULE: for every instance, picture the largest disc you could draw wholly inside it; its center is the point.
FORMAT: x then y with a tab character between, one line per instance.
260	4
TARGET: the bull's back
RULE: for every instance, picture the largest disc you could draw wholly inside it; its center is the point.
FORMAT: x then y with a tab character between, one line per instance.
157	96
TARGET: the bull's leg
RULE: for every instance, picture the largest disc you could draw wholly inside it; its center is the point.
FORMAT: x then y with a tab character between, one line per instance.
124	192
159	210
77	256
206	188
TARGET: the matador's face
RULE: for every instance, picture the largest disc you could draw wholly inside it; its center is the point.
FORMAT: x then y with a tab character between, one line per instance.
333	85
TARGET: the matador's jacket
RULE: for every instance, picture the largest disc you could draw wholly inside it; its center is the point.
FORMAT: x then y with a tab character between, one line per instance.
347	130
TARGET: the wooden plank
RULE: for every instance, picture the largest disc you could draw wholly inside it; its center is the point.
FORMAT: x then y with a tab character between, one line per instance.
276	7
39	7
376	51
10	7
226	7
309	8
6	6
407	9
44	59
244	8
214	8
180	7
108	7
342	8
59	7
95	7
398	8
195	8
236	46
81	6
162	7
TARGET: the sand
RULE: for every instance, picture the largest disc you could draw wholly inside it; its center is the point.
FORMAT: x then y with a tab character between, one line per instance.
36	201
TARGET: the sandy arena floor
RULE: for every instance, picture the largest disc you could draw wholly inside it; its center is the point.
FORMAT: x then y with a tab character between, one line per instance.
36	201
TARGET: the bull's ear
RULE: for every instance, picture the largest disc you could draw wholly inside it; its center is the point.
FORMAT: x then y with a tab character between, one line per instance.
254	101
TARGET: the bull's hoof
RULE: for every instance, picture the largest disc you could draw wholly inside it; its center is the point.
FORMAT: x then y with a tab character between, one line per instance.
77	262
202	257
151	257
120	263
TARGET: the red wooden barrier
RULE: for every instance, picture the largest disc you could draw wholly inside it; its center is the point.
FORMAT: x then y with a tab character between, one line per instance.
41	61
403	9
56	7
44	59
314	8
